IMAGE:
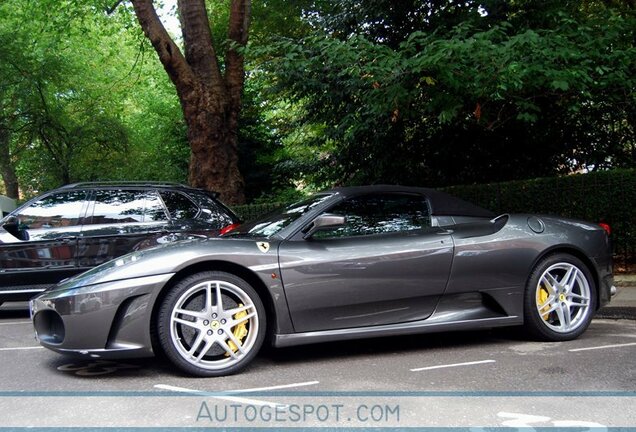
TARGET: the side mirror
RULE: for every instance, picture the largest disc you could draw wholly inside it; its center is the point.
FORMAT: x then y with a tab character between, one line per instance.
322	222
12	225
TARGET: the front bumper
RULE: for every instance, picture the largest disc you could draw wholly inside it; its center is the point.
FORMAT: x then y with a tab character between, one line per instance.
107	320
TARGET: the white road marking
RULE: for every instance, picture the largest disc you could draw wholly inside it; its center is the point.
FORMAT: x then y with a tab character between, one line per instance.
603	347
624	335
21	348
240	399
525	421
15	323
452	365
227	398
278	387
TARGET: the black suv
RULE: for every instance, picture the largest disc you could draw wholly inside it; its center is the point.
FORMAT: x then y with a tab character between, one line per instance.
76	227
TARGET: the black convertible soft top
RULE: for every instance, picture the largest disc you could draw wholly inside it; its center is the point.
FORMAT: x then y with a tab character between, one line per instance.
442	204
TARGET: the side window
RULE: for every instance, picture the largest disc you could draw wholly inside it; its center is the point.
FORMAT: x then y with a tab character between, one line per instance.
179	206
155	210
212	213
378	214
54	211
125	206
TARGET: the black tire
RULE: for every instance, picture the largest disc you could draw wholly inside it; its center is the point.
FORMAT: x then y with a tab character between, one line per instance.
204	340
569	305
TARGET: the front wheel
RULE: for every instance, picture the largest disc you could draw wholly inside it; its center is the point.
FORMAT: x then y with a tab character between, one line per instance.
560	299
211	324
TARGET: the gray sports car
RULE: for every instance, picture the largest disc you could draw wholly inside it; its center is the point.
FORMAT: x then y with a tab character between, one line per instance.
346	263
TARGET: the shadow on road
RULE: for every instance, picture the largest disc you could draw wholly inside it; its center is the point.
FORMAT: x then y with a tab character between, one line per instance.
13	313
394	344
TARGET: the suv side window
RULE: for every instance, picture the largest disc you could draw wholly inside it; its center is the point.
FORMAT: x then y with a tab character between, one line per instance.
179	206
126	206
212	212
54	211
379	214
155	210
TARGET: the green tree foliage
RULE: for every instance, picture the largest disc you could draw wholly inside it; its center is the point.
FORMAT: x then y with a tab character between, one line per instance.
51	117
261	131
350	91
82	98
469	92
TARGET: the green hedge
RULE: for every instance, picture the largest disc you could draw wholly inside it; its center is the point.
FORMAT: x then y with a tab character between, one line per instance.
251	212
608	196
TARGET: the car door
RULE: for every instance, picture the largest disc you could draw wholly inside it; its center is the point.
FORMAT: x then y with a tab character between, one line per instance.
120	221
385	265
40	247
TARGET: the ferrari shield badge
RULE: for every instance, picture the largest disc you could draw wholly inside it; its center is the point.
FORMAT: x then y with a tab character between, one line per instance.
263	246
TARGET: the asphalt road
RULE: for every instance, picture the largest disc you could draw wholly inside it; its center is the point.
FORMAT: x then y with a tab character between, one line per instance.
468	379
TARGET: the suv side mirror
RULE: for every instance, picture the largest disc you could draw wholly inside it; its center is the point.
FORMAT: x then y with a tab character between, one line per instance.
322	222
12	225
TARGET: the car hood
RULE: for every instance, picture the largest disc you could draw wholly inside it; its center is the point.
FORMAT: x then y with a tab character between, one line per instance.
173	257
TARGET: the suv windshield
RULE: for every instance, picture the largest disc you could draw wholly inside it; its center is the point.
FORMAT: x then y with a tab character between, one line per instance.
274	222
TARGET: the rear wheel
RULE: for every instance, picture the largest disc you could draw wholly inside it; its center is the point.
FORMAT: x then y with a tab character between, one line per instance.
211	324
560	298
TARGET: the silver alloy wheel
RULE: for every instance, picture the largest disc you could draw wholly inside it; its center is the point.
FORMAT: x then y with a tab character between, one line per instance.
214	325
563	297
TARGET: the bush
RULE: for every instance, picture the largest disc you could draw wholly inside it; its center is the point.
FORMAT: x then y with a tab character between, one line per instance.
250	212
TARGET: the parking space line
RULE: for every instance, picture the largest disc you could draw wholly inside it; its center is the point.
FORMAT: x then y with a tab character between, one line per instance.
21	348
452	365
230	398
227	398
603	347
278	387
15	322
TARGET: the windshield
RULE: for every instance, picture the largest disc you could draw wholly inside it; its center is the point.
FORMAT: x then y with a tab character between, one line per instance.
279	219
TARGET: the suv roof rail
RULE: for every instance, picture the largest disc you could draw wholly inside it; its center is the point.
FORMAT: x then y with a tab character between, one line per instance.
125	183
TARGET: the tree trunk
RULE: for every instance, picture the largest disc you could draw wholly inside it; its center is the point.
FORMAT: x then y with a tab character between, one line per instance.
214	145
6	166
210	100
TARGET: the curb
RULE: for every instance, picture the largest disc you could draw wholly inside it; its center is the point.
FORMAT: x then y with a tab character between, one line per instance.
625	280
616	313
623	306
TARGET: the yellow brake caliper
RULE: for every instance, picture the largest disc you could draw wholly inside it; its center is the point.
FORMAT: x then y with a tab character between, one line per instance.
240	331
542	296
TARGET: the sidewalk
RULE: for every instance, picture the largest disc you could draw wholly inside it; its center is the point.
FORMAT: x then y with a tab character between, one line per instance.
623	304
